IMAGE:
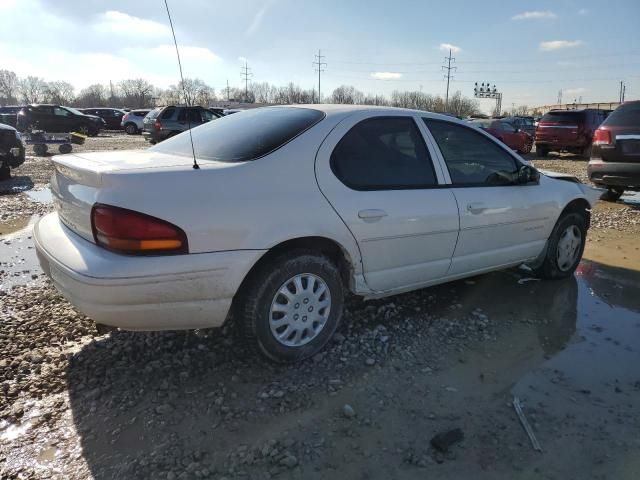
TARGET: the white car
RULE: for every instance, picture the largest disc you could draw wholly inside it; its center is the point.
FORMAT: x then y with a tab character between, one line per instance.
132	121
290	207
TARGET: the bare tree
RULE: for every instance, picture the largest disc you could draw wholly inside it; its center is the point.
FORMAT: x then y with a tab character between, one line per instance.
8	87
136	92
60	92
33	90
93	96
347	94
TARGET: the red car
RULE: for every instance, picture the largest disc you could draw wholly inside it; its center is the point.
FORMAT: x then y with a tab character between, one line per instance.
568	131
511	136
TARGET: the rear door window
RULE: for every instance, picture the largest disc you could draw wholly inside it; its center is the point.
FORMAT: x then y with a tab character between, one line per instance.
244	136
385	153
168	113
564	118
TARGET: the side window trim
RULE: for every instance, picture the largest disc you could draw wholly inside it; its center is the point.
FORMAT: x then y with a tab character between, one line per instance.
517	162
439	165
416	124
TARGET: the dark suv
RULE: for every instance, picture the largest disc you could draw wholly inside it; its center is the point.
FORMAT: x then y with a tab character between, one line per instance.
112	116
615	157
164	122
11	150
568	130
58	119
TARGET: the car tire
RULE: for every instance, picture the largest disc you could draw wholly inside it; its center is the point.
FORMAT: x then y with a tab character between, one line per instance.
541	151
313	282
612	194
525	150
40	149
65	148
564	247
5	172
130	128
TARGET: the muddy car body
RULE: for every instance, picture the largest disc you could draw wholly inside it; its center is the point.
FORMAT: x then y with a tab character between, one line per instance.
291	205
11	150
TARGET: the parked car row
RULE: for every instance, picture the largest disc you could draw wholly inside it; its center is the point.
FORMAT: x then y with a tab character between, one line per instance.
505	131
11	150
165	122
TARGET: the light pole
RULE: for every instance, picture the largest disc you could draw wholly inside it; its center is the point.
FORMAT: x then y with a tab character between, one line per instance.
485	90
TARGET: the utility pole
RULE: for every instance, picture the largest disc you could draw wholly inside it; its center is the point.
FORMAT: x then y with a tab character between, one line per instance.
448	68
622	91
318	64
560	97
227	90
245	73
486	91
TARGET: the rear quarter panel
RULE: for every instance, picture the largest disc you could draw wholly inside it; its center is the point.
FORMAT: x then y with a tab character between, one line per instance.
251	205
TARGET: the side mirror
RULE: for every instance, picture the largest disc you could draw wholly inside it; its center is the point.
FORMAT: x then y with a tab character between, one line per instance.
528	174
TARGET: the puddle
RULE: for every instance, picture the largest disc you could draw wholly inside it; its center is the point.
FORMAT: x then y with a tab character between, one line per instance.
18	260
48	454
632	198
12	226
42	196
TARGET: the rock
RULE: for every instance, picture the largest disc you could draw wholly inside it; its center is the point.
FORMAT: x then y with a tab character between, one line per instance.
442	441
164	409
348	411
370	362
289	461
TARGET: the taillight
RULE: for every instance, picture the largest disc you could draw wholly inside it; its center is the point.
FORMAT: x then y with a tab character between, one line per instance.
602	137
126	231
157	125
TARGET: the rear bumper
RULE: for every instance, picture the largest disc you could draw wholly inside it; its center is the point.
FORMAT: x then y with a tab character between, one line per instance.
614	174
560	145
141	293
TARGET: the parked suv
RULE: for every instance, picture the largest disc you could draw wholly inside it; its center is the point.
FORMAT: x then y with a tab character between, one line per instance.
511	136
615	157
58	119
111	116
132	120
8	114
11	150
568	130
164	122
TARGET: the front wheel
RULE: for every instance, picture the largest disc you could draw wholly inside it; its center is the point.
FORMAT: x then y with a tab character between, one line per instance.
131	129
542	151
564	247
525	149
291	307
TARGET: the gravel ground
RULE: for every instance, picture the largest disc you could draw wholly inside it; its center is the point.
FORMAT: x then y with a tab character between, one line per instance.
185	405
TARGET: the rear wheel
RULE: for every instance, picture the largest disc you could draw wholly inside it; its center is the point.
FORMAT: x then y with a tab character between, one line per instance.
586	152
40	149
613	194
65	148
291	307
564	247
542	151
131	129
526	148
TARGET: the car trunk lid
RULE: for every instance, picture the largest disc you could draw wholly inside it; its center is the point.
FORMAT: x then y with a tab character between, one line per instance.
79	179
562	128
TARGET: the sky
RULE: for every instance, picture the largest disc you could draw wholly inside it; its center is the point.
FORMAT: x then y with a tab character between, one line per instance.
529	50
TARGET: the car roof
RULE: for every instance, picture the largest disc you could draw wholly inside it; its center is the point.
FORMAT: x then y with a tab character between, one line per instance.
330	109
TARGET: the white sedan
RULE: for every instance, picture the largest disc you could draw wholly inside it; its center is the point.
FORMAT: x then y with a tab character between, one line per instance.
290	207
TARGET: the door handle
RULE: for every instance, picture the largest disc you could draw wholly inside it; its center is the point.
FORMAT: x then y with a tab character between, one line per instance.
476	207
372	214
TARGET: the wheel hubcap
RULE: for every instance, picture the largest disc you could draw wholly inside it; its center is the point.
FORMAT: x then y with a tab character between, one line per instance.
299	310
569	247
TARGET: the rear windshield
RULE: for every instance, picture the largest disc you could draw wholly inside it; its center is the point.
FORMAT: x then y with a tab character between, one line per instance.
154	113
627	115
243	136
566	118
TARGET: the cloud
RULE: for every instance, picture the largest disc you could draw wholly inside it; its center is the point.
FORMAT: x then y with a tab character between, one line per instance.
256	22
386	75
187	52
445	47
121	23
242	59
559	44
583	11
535	15
575	91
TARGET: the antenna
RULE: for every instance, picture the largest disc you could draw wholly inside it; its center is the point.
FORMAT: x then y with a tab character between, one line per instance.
184	89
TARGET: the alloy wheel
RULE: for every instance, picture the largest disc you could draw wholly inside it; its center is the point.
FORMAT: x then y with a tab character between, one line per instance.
568	247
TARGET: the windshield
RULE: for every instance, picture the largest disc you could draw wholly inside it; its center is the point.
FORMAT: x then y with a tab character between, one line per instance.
243	136
73	110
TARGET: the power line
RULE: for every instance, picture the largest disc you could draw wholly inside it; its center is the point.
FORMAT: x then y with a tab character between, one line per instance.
448	68
245	74
318	64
